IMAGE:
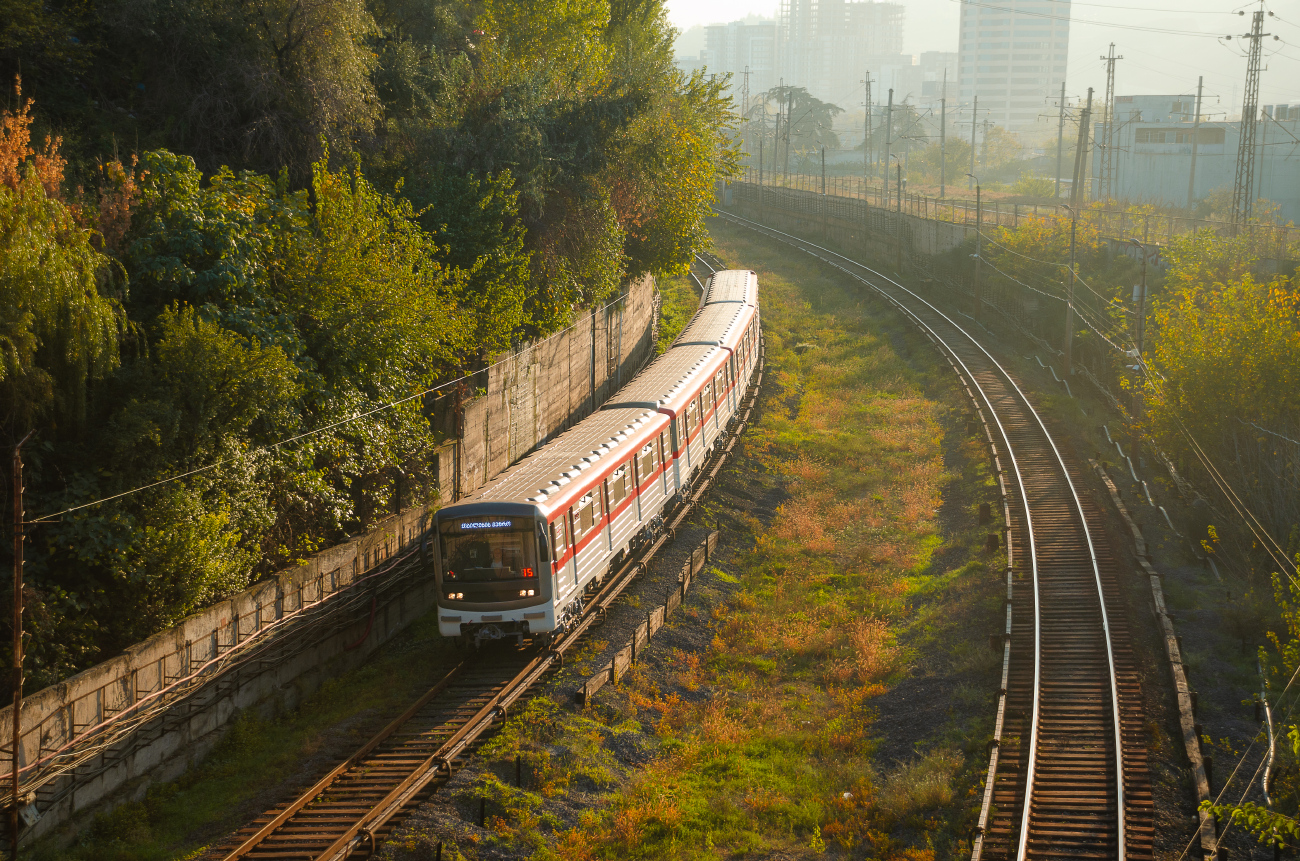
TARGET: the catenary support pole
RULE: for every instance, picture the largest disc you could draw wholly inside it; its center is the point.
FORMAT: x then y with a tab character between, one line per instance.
1081	153
889	140
943	134
1069	299
1060	140
979	253
974	115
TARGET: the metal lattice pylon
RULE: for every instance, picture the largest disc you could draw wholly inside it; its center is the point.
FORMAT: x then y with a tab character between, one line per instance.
1243	189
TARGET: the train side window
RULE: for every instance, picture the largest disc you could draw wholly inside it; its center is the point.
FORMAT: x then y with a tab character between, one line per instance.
681	430
706	396
618	485
692	415
646	461
720	381
557	532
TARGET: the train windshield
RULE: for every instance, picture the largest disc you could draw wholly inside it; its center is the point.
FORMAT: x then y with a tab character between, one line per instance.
489	559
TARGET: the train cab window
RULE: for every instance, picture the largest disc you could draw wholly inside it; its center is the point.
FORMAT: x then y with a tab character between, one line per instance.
647	461
488	558
618	485
692	416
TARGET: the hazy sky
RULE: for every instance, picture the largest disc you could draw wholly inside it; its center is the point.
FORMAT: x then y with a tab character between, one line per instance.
1154	62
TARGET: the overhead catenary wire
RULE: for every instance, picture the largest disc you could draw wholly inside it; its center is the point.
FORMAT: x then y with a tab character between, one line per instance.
1051	17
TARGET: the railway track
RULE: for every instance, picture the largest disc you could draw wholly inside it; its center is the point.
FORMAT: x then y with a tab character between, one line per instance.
1068	774
353	809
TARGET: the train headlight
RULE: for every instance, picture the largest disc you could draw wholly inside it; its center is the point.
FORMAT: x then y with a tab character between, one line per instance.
455	596
526	593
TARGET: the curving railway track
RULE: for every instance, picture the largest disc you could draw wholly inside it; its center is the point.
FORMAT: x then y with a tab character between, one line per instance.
1068	775
351	810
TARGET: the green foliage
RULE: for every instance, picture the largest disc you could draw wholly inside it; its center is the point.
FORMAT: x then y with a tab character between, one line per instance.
58	329
337	205
923	166
1032	185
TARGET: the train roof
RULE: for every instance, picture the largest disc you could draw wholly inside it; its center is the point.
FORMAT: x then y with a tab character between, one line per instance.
670	379
558	472
731	285
717	325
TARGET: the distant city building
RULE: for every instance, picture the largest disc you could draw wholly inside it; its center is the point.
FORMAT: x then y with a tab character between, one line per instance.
739	46
828	47
1152	146
1013	56
921	84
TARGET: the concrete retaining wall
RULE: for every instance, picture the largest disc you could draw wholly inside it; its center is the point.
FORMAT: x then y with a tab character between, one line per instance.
103	736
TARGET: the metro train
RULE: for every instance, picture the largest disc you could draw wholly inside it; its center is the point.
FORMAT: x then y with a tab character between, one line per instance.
516	558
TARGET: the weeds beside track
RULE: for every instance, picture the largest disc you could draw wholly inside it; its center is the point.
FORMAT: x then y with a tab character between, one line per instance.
1068	774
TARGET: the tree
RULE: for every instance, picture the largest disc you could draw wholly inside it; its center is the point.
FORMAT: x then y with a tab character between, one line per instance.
58	331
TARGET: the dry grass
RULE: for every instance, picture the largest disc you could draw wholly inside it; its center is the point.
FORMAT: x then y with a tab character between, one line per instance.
780	759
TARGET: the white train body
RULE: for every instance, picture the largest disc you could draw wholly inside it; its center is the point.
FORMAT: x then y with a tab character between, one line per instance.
517	556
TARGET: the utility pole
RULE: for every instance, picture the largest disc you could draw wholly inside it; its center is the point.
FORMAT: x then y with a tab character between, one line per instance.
975	112
1080	154
889	131
744	112
943	134
776	134
1242	191
760	174
1106	188
1196	139
898	216
1069	296
979	250
1060	139
18	642
867	148
823	194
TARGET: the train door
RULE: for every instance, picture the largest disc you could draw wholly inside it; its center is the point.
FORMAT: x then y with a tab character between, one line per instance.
563	575
649	485
692	432
622	511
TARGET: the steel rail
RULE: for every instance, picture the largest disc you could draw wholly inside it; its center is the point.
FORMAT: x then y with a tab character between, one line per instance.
441	762
1023	843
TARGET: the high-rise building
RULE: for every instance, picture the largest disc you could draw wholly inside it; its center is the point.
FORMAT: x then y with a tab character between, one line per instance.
1012	55
733	48
826	46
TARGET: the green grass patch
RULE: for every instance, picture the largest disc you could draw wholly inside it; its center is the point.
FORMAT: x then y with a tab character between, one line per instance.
841	590
680	302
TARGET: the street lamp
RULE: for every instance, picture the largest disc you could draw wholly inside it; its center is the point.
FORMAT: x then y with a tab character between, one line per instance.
1069	296
979	247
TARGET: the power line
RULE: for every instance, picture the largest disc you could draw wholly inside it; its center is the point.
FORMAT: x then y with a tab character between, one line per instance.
1072	20
284	442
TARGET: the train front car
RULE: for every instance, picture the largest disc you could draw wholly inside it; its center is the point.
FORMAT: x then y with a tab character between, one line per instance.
491	563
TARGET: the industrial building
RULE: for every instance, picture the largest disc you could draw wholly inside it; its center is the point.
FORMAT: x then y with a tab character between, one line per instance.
1152	141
